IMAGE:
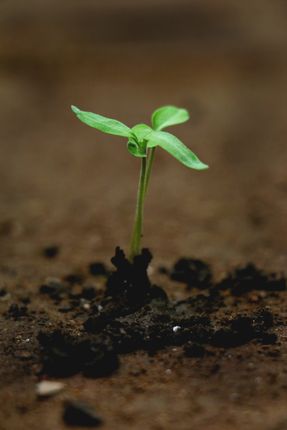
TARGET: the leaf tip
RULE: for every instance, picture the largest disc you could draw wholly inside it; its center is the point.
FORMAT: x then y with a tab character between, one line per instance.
202	166
75	109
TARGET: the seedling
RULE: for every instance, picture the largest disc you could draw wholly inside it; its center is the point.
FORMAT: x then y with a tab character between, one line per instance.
142	141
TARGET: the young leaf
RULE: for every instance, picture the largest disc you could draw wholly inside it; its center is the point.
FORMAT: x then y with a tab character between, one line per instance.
106	125
141	131
166	116
135	149
176	148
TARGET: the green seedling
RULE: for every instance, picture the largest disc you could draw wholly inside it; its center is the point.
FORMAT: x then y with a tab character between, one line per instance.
142	141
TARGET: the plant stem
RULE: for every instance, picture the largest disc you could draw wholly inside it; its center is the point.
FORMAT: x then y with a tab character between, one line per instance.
149	167
137	230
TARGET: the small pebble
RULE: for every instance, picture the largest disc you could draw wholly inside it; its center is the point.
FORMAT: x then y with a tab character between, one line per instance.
49	388
86	306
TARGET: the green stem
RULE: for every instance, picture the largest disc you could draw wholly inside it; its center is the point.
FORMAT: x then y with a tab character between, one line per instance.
137	230
149	167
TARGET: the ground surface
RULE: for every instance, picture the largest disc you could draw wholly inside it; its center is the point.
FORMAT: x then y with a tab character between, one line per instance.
62	183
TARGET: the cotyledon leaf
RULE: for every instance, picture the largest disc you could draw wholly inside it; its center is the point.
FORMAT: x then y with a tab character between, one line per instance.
106	125
176	148
166	116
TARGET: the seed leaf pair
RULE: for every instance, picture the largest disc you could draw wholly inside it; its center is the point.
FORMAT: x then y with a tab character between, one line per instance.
141	137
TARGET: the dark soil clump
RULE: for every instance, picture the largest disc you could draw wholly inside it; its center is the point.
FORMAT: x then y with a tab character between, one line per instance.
16	311
51	251
194	273
133	314
250	278
65	355
98	269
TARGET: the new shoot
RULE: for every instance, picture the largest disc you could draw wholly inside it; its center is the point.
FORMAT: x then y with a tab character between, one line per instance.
142	141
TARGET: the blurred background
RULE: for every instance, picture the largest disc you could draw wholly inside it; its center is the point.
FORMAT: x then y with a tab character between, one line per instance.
64	183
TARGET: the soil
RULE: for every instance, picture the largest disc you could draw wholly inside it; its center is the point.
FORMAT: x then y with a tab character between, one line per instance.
235	325
194	338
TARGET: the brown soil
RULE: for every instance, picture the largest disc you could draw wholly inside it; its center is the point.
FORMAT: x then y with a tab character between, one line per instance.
67	199
128	340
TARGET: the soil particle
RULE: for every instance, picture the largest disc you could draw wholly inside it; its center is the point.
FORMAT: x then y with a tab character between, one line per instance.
79	414
16	311
243	329
89	292
194	273
51	251
268	338
65	354
4	295
3	292
26	300
74	278
163	270
98	269
68	289
54	288
250	278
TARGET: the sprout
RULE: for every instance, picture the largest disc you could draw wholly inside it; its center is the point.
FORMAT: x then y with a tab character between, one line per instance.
142	141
